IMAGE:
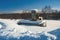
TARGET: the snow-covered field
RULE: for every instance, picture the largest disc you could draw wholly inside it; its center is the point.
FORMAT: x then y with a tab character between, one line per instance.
12	29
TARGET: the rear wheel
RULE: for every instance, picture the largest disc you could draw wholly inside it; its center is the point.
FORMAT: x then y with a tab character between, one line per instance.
44	24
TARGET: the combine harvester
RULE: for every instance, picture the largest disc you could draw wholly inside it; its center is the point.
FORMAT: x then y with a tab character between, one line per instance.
40	22
33	21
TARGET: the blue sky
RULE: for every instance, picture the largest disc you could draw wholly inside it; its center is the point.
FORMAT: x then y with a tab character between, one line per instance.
10	5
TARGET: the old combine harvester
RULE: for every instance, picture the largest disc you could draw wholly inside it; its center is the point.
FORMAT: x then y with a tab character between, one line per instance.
37	21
